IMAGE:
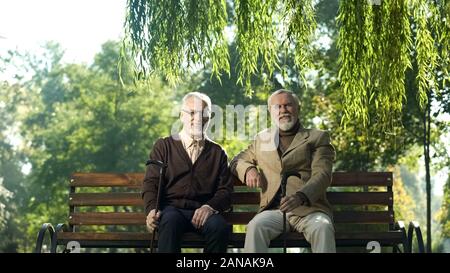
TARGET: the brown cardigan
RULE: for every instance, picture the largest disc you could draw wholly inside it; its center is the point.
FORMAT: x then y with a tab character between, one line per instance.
187	185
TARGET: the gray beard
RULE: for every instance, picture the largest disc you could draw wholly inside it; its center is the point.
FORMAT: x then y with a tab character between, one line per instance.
286	126
197	133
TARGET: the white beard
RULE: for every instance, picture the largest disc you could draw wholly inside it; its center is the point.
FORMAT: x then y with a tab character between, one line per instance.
286	126
196	132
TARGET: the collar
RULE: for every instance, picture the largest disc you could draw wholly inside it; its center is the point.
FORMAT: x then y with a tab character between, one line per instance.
188	140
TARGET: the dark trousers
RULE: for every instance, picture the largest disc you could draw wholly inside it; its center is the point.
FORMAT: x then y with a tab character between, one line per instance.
175	222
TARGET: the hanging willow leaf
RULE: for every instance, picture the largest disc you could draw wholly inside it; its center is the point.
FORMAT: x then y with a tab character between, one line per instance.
443	29
427	53
354	19
393	59
375	42
171	36
255	39
301	22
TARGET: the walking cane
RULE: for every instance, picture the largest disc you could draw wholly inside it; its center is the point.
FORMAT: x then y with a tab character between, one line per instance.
162	170
284	179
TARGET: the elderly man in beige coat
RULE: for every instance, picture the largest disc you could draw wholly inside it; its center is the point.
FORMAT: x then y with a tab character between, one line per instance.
288	147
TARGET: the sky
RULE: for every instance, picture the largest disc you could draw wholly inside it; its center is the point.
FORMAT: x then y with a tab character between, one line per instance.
80	26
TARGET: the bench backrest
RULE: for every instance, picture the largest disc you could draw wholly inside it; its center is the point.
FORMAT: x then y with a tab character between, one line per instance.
113	199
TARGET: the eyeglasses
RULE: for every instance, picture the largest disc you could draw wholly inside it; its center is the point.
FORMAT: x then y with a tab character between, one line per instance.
204	114
279	106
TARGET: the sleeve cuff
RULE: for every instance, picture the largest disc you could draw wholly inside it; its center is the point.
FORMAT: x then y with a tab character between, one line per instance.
304	197
211	208
241	169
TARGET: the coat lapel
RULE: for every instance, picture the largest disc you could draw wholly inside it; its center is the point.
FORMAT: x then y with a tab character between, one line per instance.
300	138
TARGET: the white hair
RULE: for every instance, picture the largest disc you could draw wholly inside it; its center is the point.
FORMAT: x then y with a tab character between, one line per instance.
203	97
285	91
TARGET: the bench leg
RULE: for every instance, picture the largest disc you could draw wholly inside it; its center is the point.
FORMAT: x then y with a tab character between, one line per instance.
415	228
59	228
41	235
397	249
400	226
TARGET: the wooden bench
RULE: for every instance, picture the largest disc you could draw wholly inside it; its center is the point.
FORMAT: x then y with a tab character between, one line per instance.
106	210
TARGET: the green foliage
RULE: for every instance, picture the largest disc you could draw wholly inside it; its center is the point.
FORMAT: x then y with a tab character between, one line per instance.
354	18
5	196
255	31
375	42
444	35
75	118
301	28
427	54
169	35
11	177
404	204
444	214
172	36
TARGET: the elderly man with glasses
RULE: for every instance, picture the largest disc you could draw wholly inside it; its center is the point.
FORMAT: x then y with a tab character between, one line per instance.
197	184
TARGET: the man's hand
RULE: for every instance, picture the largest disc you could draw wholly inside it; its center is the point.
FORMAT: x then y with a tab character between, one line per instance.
253	178
152	220
201	215
288	203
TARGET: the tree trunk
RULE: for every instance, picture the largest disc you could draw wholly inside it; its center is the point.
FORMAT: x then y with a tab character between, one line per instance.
426	148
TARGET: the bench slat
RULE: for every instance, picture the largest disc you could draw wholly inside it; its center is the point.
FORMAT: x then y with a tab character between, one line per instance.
238	198
134	199
349	179
105	199
134	180
131	180
138	236
136	218
360	198
363	217
107	218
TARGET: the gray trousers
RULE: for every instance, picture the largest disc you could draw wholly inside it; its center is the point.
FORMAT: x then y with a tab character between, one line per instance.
267	225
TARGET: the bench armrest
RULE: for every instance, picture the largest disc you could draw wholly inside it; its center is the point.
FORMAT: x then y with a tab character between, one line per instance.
400	226
41	235
414	227
61	227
